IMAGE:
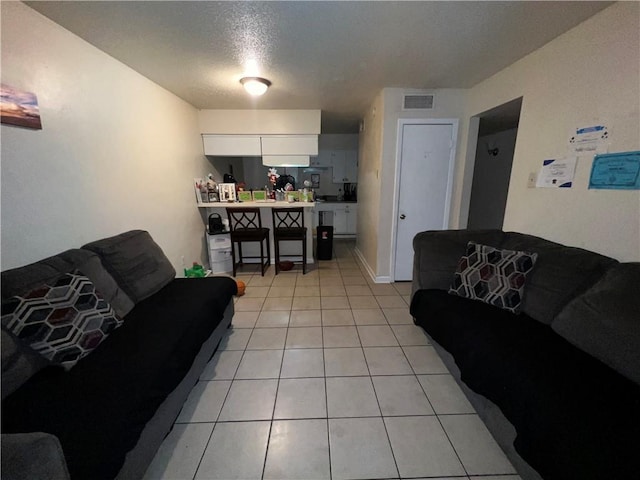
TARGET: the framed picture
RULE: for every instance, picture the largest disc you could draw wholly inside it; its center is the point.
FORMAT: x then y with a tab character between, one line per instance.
245	196
227	192
19	108
315	180
259	195
202	195
292	196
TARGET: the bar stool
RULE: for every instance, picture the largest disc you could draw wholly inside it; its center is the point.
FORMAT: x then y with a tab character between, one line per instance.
245	225
288	225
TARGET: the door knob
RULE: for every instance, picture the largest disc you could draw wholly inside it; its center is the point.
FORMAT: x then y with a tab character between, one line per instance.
403	216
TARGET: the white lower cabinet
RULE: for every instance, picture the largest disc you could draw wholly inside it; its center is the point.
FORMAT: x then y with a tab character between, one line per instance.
344	217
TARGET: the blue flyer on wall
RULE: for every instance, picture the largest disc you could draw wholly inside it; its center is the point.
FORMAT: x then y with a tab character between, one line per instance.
616	171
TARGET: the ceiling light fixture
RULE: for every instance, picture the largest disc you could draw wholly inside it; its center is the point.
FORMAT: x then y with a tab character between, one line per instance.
255	86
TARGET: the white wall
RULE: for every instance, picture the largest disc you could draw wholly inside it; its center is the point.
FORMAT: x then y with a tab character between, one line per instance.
116	151
590	73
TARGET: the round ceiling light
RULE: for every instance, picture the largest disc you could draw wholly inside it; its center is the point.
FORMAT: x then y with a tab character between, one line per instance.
255	86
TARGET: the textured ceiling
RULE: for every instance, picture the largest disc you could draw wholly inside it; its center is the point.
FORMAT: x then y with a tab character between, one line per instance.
333	56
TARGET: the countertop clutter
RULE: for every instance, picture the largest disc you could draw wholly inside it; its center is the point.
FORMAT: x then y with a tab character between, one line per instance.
259	204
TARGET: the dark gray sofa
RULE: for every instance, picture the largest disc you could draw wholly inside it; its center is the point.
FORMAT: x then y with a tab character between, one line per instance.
557	385
108	414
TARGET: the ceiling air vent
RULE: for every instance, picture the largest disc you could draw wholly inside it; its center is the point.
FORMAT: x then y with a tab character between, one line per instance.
417	102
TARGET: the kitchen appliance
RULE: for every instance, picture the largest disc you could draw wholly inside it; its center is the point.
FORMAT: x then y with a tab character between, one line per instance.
215	223
350	192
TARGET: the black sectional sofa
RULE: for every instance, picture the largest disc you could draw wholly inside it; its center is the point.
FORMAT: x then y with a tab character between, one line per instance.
107	415
557	384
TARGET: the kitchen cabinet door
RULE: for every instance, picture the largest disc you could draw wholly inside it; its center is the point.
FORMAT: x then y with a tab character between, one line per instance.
290	145
352	219
351	166
337	165
340	220
345	166
323	159
232	145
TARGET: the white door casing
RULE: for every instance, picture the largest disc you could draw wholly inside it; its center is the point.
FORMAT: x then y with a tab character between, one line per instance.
424	183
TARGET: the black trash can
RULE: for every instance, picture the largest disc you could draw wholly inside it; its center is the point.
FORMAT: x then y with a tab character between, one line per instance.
324	242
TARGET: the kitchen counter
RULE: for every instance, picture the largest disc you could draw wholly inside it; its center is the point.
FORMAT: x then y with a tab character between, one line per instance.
257	204
287	248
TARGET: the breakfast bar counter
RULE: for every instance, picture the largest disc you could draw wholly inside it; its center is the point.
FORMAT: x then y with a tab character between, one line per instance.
287	248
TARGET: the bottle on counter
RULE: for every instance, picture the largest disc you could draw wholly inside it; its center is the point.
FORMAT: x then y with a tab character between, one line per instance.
340	195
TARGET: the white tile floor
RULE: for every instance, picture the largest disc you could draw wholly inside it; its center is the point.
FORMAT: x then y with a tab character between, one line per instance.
325	376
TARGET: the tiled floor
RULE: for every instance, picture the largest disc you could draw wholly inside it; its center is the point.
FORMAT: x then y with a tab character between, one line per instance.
325	376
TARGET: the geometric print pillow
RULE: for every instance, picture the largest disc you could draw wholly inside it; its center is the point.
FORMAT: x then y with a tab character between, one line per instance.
493	276
63	321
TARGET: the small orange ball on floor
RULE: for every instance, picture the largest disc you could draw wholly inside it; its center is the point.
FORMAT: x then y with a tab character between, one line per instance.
241	287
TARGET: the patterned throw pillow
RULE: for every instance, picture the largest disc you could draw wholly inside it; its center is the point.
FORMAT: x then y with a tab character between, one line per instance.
62	321
493	276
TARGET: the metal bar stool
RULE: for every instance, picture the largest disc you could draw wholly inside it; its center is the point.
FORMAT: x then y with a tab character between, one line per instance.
245	225
288	225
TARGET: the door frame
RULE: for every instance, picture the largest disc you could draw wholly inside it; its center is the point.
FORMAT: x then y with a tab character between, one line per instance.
454	122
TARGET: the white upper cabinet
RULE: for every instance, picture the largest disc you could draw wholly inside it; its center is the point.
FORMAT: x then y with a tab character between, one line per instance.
323	159
258	145
289	145
232	145
345	166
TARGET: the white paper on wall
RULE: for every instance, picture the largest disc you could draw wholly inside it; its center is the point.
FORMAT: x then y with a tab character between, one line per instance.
557	173
590	140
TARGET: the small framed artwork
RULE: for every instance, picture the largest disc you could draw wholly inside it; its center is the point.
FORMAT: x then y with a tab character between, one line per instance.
227	192
19	108
292	196
245	196
315	180
259	195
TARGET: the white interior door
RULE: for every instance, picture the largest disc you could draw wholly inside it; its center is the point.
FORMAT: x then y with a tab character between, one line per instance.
424	189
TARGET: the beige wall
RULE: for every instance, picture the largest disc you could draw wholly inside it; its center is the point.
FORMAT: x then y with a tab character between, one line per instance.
116	151
589	74
369	185
381	141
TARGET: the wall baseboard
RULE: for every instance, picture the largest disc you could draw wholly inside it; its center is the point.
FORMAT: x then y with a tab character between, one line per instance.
370	272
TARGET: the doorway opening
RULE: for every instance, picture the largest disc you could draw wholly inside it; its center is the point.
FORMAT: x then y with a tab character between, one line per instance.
495	147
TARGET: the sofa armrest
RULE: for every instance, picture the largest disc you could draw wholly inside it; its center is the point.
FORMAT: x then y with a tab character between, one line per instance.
437	252
27	456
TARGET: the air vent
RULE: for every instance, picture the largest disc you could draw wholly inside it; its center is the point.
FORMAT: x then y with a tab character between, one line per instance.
417	102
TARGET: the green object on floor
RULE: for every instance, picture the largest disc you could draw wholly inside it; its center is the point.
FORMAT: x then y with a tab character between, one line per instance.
197	271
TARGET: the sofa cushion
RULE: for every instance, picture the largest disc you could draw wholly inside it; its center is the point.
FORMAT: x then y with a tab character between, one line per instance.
574	416
32	455
437	253
63	320
18	281
493	276
561	273
605	320
19	362
136	262
103	404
